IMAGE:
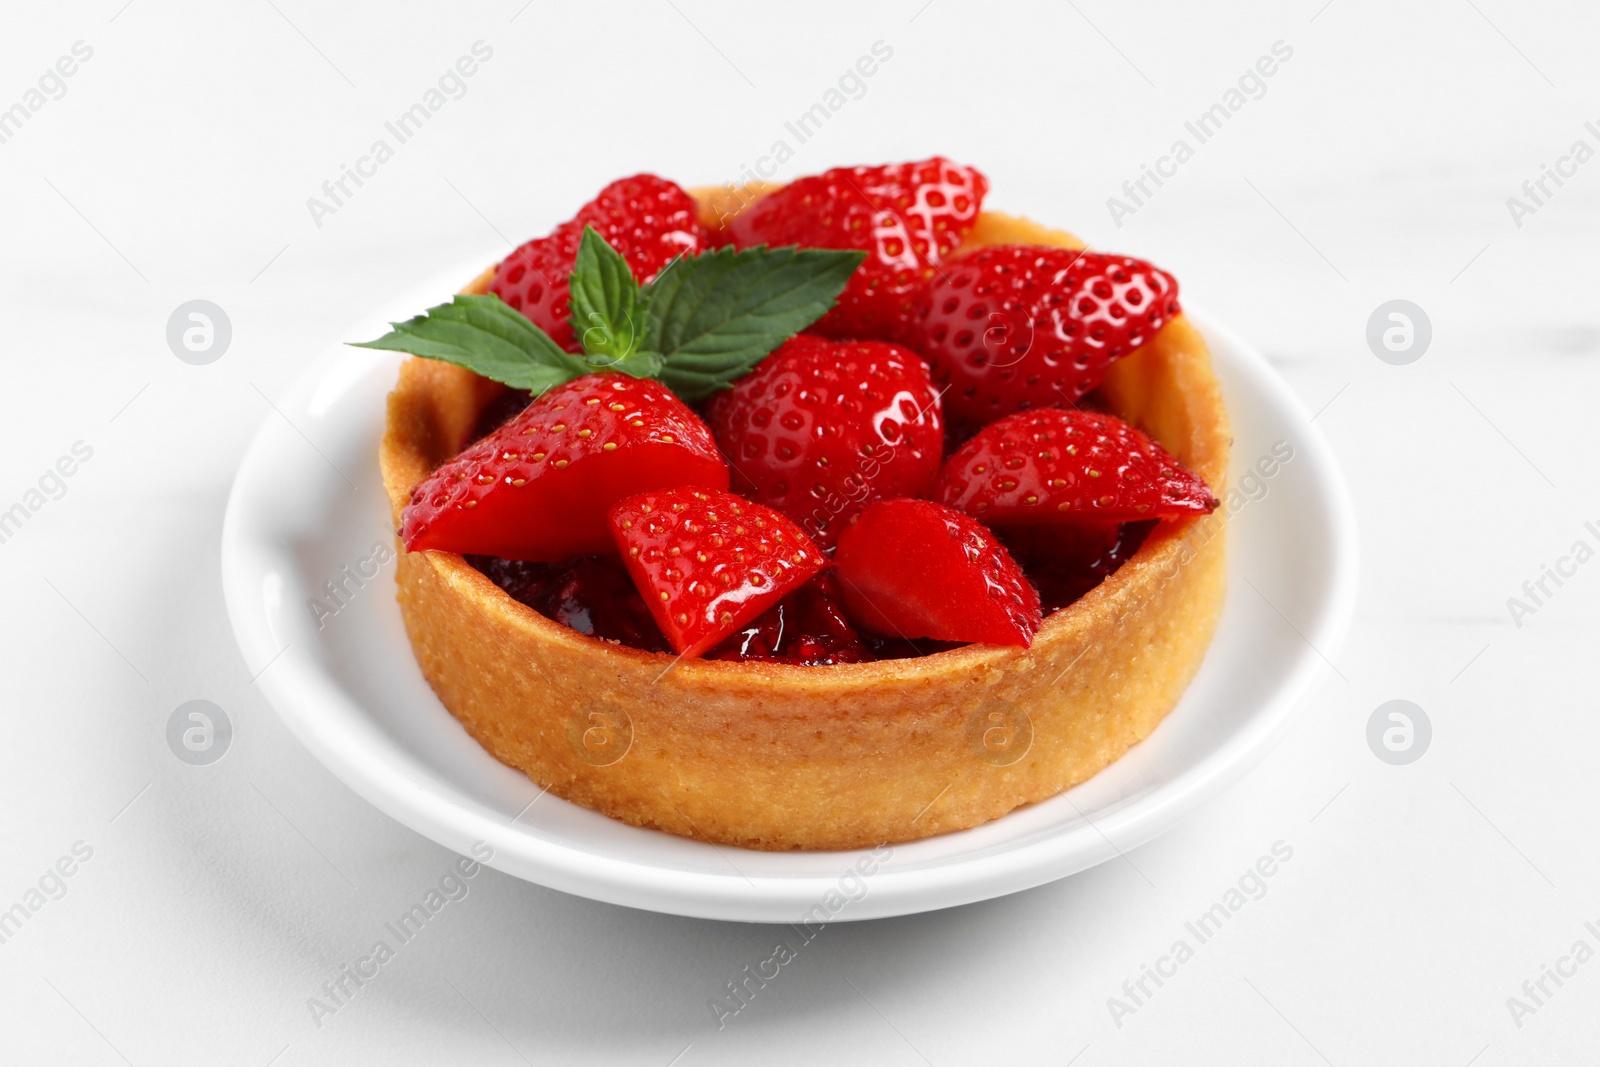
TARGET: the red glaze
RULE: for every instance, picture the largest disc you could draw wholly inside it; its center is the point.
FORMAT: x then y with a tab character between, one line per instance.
907	217
1065	562
1054	466
1011	327
912	568
707	562
591	594
806	627
820	428
539	487
648	219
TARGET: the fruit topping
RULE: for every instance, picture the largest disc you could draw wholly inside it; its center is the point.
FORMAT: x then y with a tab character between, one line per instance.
707	562
649	220
912	568
539	487
1010	327
908	217
821	428
1054	466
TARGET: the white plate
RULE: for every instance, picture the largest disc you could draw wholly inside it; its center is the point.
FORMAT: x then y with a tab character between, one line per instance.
308	502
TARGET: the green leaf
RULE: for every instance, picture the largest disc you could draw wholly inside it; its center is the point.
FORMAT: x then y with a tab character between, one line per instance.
607	313
488	337
713	317
638	364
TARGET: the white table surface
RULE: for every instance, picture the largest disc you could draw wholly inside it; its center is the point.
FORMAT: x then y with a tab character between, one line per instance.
1377	165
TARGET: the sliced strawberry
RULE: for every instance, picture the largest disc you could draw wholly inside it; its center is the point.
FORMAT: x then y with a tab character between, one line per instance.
539	487
912	568
1053	466
648	219
821	428
907	217
707	562
1011	327
806	627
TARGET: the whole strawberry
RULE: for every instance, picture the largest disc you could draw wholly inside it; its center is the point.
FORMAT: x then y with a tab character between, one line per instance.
539	487
1055	466
707	562
647	219
907	217
913	568
1010	327
821	428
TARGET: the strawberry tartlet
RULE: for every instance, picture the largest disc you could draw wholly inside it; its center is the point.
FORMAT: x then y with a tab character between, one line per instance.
816	516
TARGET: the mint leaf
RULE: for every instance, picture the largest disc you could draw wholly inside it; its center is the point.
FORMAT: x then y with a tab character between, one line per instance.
488	337
713	317
607	313
637	364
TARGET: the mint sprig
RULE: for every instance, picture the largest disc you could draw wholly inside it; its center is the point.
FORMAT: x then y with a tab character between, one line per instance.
489	337
607	311
717	315
704	322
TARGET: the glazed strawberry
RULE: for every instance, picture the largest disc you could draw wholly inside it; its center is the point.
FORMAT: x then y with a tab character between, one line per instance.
821	428
647	219
539	487
707	562
907	217
1010	327
913	568
1052	466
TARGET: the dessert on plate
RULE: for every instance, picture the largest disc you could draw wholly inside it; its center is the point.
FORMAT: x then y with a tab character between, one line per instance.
811	516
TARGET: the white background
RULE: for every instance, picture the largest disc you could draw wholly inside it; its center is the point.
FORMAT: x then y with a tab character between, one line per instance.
1377	166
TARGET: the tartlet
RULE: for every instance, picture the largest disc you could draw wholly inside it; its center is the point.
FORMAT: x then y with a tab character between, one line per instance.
778	756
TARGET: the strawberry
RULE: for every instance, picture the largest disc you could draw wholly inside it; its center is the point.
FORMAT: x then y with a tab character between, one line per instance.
907	217
539	487
707	561
1052	466
1010	327
820	428
647	219
912	568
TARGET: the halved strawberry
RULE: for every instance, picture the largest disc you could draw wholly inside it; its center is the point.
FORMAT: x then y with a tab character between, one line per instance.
1011	327
647	219
1053	466
913	568
707	562
908	217
539	487
821	428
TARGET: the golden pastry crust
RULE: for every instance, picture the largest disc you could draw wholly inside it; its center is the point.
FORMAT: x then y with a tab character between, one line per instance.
773	756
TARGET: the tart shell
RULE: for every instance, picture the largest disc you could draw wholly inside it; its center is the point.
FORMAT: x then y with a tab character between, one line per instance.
774	756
